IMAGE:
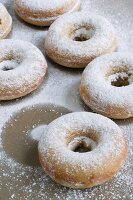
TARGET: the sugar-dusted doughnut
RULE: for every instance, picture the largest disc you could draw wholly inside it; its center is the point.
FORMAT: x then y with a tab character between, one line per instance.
22	68
43	13
82	150
75	39
5	22
107	85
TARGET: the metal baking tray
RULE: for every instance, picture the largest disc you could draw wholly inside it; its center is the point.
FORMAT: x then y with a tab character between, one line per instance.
21	177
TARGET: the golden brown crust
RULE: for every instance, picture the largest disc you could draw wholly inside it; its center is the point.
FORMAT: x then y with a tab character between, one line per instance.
91	177
114	113
9	94
75	61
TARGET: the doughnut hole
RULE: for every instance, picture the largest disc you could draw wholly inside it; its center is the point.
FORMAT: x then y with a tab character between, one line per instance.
82	33
82	143
10	62
120	76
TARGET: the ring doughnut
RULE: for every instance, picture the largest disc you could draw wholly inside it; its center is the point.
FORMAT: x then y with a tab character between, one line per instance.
5	22
22	68
107	85
103	144
43	13
75	39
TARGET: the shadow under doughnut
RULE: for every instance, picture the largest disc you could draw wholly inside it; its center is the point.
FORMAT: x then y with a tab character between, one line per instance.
21	133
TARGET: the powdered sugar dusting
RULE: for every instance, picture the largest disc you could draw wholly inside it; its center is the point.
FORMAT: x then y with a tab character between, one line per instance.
101	88
63	84
63	130
22	64
43	13
122	75
59	35
8	64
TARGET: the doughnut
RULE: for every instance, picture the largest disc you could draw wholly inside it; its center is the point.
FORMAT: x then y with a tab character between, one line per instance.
43	13
82	149
107	85
77	38
22	68
5	22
